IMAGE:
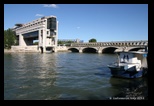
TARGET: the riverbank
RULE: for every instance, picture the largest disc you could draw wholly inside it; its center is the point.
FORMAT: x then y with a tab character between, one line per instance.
10	51
34	48
7	50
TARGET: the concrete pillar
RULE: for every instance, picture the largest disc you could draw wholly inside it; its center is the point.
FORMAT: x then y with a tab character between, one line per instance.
56	37
44	40
55	49
39	38
21	40
40	41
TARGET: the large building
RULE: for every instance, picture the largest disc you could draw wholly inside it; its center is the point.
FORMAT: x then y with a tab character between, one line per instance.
44	29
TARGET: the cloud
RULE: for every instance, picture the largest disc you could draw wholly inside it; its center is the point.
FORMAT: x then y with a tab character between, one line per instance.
50	5
39	15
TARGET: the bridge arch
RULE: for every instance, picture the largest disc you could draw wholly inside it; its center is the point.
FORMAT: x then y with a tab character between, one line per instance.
73	49
136	49
89	50
109	49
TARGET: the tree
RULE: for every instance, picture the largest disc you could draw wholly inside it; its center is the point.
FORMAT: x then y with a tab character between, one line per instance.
66	43
35	43
9	38
60	42
92	40
5	39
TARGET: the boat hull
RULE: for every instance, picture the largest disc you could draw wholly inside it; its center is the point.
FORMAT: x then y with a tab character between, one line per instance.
131	73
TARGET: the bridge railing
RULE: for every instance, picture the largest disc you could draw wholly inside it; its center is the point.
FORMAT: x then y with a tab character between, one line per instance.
126	43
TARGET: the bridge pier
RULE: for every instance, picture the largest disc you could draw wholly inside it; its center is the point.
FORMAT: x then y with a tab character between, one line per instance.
99	51
55	49
80	51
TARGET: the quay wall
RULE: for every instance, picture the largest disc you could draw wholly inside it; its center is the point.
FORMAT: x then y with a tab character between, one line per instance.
33	48
24	48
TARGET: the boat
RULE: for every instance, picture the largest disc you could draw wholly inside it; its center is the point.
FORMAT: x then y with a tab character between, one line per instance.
130	64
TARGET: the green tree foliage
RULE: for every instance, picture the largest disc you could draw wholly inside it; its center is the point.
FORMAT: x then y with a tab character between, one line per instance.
35	43
60	42
66	43
9	38
92	40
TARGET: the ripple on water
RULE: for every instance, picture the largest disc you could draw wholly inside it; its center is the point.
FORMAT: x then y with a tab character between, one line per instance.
62	76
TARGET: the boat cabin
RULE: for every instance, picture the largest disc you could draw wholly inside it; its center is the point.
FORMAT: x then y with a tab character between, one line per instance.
133	57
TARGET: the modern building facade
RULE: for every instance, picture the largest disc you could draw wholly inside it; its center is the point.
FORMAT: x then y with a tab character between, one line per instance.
44	29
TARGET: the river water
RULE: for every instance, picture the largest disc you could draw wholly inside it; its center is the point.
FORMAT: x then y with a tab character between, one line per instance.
67	76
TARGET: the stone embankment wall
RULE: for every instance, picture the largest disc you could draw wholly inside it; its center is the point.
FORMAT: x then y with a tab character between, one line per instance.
17	49
62	49
24	49
7	50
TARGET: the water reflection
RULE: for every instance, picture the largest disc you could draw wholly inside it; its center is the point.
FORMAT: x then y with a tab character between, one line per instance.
64	76
32	76
136	89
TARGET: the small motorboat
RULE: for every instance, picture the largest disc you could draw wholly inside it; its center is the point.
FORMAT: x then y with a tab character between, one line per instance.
130	64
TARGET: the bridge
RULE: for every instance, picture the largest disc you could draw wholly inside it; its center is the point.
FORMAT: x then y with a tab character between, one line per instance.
108	47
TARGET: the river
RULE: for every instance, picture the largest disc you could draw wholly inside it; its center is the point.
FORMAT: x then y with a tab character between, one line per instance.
67	76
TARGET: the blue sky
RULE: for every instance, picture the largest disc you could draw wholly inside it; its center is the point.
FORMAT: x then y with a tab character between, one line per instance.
104	22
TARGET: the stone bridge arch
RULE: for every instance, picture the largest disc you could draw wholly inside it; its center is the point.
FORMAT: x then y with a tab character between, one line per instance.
135	48
110	49
73	49
107	49
84	49
89	50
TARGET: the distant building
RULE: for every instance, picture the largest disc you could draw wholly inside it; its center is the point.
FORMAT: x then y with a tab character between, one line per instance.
44	29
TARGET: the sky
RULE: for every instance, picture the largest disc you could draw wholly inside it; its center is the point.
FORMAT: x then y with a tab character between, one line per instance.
104	22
